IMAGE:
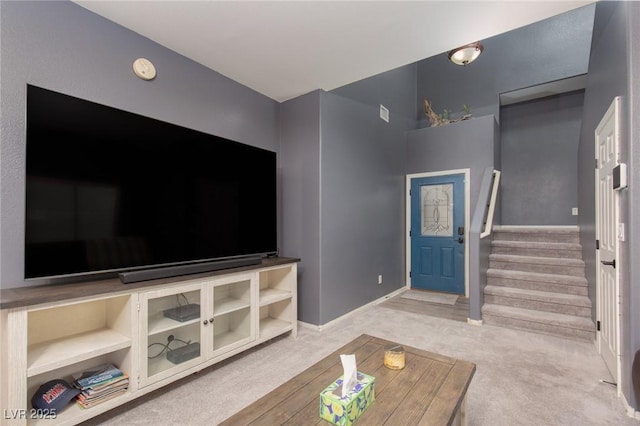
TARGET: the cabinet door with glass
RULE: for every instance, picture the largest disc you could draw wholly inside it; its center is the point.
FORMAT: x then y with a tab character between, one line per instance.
171	331
232	306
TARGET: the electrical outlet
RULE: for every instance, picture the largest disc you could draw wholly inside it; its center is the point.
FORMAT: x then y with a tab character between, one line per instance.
380	279
574	211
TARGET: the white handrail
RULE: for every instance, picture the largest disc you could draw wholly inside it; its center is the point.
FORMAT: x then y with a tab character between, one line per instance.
492	205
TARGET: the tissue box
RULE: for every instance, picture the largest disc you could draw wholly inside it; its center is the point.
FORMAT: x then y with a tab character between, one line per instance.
345	411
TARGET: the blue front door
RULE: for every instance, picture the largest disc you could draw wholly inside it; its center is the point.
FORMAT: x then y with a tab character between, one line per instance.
437	233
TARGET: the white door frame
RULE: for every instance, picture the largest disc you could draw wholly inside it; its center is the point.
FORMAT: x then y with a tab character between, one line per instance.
614	110
467	209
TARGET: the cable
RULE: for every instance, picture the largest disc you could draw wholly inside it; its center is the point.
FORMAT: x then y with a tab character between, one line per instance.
166	346
183	296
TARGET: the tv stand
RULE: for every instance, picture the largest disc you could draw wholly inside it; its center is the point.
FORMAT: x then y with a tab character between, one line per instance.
193	268
54	331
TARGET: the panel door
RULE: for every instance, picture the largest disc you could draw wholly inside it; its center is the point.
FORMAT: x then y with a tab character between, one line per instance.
437	233
607	221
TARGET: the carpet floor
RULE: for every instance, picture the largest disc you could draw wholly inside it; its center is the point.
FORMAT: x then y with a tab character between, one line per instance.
521	378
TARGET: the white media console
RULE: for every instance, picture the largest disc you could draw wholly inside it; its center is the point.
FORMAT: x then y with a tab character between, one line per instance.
51	332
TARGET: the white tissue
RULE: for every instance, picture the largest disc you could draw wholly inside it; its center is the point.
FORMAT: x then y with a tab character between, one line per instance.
350	376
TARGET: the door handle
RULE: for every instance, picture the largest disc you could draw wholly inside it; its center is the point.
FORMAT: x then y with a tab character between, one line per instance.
612	263
460	240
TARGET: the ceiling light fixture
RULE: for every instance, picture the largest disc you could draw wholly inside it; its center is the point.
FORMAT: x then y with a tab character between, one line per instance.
466	54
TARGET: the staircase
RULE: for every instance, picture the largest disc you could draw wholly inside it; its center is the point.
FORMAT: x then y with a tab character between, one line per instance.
536	282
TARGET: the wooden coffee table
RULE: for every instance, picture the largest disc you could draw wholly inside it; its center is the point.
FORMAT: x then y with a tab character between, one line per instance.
430	390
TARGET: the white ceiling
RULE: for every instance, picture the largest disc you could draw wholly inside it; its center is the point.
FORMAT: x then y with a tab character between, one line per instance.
284	49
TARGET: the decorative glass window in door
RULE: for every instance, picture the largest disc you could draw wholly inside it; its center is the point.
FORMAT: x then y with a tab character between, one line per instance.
436	202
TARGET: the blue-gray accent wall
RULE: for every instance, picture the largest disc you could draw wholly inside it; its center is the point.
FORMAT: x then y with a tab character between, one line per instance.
549	50
61	46
539	160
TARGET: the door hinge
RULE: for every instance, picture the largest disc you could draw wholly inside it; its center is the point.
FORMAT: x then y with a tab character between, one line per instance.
598	325
597	244
409	274
138	306
596	163
409	232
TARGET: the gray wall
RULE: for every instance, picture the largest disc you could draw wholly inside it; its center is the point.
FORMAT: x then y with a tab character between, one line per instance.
343	191
63	47
466	144
362	204
300	170
395	89
549	50
539	160
609	76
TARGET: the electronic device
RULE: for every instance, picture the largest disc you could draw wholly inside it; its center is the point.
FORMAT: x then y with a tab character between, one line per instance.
620	177
109	191
183	313
184	353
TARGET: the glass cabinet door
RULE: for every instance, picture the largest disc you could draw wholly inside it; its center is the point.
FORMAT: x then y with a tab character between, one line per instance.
172	333
233	319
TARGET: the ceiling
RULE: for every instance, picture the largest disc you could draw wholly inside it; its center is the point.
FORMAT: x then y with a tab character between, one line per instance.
284	49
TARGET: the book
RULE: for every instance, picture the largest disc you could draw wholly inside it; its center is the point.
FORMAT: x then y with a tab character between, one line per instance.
100	384
97	376
103	389
106	398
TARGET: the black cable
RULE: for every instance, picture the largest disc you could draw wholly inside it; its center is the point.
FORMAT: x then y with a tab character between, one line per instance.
185	298
165	346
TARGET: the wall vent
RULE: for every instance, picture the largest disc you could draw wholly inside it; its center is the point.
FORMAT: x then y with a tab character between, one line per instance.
384	113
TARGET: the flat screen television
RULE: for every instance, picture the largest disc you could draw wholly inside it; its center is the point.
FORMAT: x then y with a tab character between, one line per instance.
109	190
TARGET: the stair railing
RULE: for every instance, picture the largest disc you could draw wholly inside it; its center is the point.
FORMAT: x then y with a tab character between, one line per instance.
491	207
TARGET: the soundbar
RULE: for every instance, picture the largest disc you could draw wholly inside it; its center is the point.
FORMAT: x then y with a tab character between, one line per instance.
195	268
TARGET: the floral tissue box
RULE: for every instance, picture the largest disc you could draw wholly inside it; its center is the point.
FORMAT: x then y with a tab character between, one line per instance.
345	411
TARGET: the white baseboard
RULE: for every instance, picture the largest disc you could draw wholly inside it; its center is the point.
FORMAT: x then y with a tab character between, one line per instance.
631	412
474	322
351	313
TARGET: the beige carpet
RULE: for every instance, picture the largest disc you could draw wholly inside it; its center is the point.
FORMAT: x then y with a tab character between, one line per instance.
427	296
521	378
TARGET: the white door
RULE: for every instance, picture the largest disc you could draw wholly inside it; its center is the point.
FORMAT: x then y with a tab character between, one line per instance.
607	141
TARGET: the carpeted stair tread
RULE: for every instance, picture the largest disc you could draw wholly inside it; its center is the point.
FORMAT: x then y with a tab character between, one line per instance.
537	277
538	317
535	260
540	296
545	265
537	245
537	248
529	233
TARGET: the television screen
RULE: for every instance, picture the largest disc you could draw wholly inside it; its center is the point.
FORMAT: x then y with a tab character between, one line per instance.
109	190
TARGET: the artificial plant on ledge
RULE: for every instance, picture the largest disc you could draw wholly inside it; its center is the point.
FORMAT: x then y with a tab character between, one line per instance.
445	117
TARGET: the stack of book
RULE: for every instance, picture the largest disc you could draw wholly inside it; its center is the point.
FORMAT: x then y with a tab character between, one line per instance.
100	384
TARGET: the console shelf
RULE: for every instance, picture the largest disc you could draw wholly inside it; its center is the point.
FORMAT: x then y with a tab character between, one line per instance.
271	327
55	332
160	324
272	295
47	356
228	305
